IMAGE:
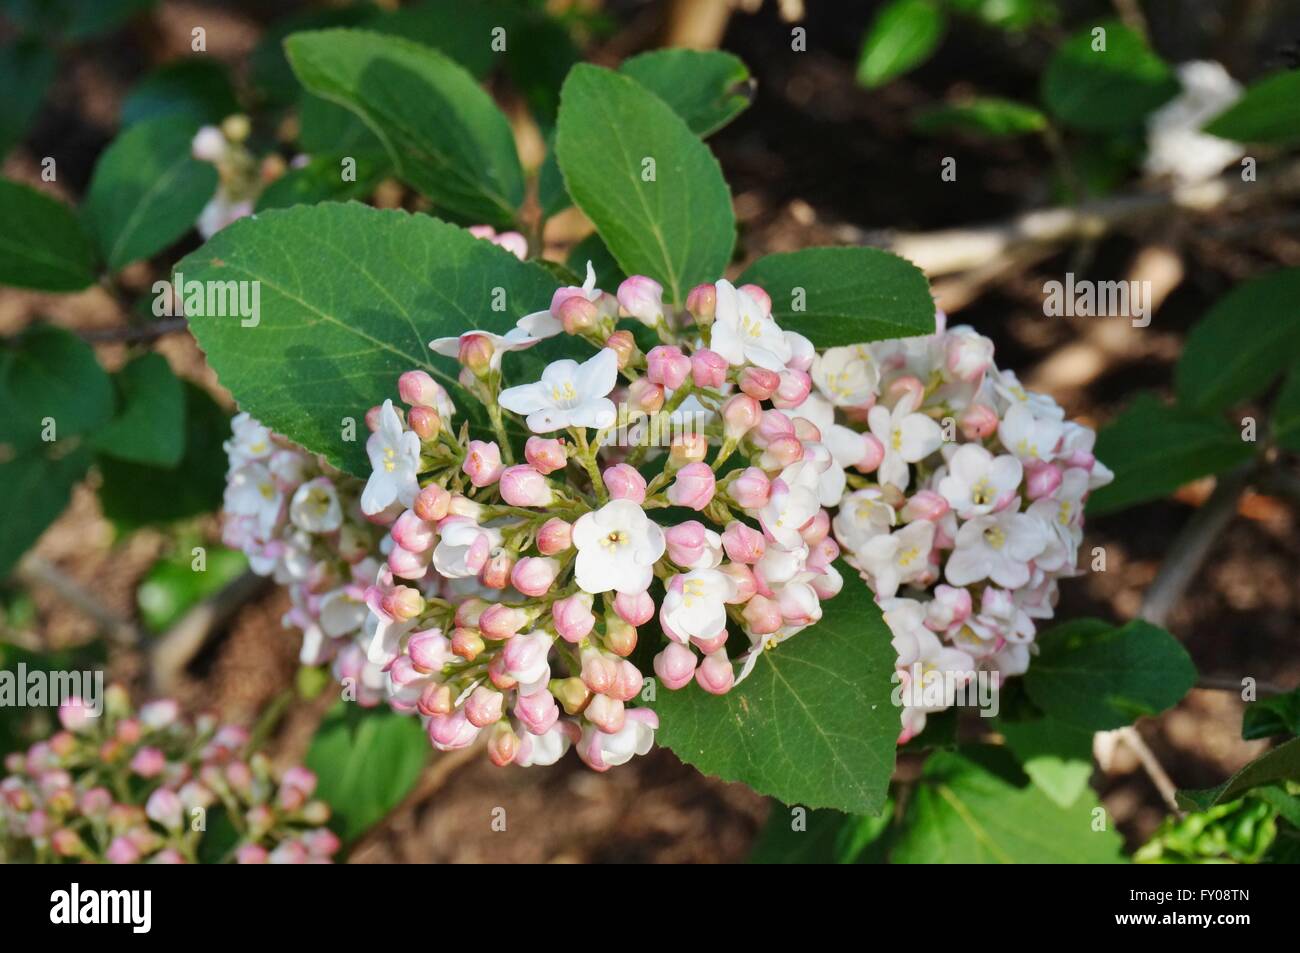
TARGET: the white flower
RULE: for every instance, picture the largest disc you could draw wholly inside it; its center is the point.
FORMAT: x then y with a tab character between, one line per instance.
906	437
602	750
695	605
862	515
395	456
896	558
342	611
998	547
546	748
1007	386
1027	436
742	333
848	376
618	546
249	441
222	209
1059	515
315	506
846	445
463	547
781	564
251	491
789	507
568	395
1176	146
978	482
530	329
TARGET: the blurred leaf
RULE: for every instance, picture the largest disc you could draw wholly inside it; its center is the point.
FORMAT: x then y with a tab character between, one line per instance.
444	134
171	587
374	287
537	67
462	31
1268	112
147	190
366	761
986	115
1013	15
35	487
1154	449
321	180
551	193
133	494
822	837
1110	89
150	427
1056	756
975	806
74	19
42	244
813	724
1275	715
1096	677
26	69
1246	339
49	373
708	89
904	34
269	66
840	296
197	88
1280	764
1286	412
653	190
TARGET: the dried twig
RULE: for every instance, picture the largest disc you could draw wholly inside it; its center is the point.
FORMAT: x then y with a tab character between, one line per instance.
184	640
37	571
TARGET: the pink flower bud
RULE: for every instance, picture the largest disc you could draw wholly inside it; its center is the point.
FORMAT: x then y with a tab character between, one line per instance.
75	715
759	383
793	389
693	487
599	671
534	575
425	422
432	503
740	414
629	682
688	448
514	243
622	344
642	298
750	489
816	529
802	353
577	314
403	603
470	611
634	608
573	617
476	353
408	565
743	580
418	389
624	483
908	384
524	485
645	395
546	454
428	651
537	712
148	762
667	366
762	615
122	851
500	621
783	451
526	657
760	297
606	713
555	536
482	463
495	573
708	368
978	421
702	303
799	605
503	746
715	674
436	699
413	533
827	585
925	505
467	643
449	732
1041	479
485	705
772	425
743	543
873	454
251	854
686	542
675	665
807	431
164	807
620	638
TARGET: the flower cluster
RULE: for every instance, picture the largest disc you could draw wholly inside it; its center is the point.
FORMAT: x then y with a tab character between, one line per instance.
300	521
240	178
974	506
519	570
125	787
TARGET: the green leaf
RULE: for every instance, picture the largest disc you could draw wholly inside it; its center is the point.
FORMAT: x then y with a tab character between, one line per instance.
172	587
537	67
1242	344
462	31
1275	715
1108	90
1056	756
35	487
351	307
974	806
985	115
904	34
198	89
444	134
42	245
366	762
150	428
820	837
74	19
321	180
326	128
47	374
708	89
838	296
135	494
675	225
1280	764
26	68
269	68
813	724
147	190
1094	676
1268	112
592	249
1286	412
1154	449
